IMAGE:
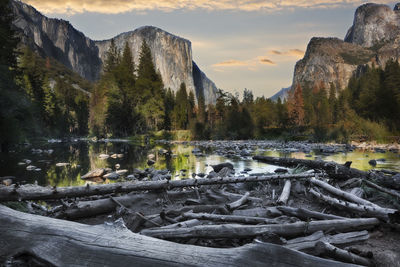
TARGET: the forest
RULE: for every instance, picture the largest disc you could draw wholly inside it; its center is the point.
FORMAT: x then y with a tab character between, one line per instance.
41	97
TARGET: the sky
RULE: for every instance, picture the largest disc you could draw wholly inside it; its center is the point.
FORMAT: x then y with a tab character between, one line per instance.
239	44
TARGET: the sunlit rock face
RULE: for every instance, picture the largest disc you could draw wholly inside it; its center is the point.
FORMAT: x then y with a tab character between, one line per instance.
373	25
55	38
373	39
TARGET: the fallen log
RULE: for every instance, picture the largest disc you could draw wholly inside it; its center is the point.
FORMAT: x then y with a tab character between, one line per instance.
382	213
259	212
236	204
306	214
64	243
283	198
308	243
382	189
229	218
247	231
341	193
33	192
326	249
334	170
188	223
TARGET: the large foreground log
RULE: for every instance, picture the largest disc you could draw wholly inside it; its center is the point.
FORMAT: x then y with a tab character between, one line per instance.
32	192
65	243
245	231
333	169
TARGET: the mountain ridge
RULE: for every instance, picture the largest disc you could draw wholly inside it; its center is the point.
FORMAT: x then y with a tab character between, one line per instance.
373	39
58	39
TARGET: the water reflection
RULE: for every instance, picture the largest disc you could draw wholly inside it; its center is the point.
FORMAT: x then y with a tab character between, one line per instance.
81	157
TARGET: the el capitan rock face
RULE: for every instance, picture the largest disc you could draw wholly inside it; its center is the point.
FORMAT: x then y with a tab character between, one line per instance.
58	39
373	39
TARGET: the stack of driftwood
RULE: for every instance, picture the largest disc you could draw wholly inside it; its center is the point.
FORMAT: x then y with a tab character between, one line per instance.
309	218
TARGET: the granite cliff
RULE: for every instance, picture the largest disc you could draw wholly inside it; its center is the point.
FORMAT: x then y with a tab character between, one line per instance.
58	39
373	39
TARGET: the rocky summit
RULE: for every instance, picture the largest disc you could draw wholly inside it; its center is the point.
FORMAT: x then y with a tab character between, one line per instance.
58	39
373	39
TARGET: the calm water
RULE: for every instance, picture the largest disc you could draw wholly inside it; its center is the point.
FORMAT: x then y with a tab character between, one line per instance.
83	156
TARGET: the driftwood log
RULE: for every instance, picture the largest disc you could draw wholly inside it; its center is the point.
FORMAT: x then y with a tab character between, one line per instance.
229	218
382	213
382	189
326	249
308	243
245	231
334	170
283	198
64	243
306	214
346	195
32	192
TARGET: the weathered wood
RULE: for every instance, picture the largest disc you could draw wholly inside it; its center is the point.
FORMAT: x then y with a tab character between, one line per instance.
283	198
326	249
245	231
33	192
382	213
341	193
188	223
382	189
259	212
65	243
236	204
229	218
306	214
334	170
308	242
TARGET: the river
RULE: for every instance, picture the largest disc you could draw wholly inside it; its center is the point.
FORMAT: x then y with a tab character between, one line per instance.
63	163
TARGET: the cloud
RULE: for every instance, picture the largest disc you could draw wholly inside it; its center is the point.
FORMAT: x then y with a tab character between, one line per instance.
291	53
267	61
231	63
121	6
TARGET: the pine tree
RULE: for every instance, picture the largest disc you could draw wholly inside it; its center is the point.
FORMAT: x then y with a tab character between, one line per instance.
15	112
181	109
112	58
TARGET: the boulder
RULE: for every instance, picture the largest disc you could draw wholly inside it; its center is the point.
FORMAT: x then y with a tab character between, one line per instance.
218	167
372	162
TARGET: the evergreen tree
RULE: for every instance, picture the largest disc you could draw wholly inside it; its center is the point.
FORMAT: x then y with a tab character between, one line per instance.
181	109
15	112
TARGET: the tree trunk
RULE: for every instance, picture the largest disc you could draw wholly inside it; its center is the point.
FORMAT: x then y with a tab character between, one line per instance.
229	218
343	194
305	214
65	243
282	200
247	231
331	251
382	213
239	202
32	192
334	170
382	189
307	243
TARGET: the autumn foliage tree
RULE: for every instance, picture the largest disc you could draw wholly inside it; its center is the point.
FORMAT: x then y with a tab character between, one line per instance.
296	106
